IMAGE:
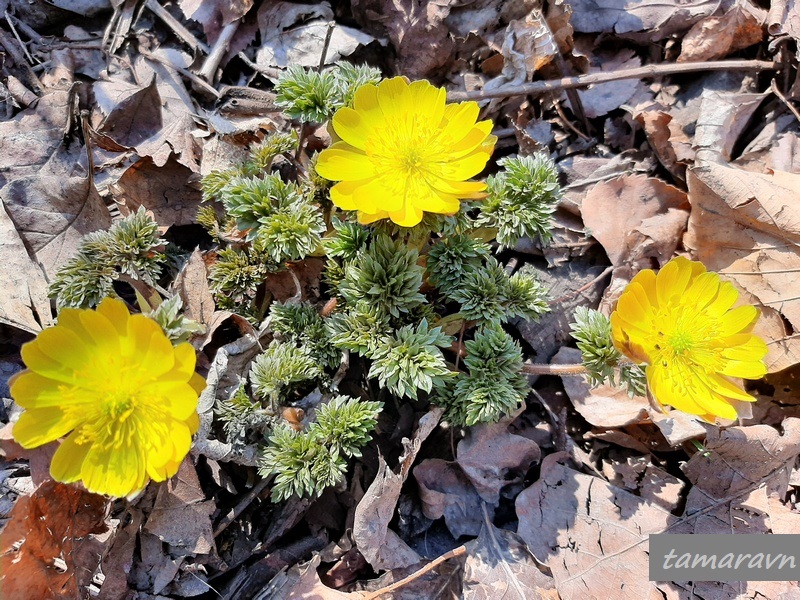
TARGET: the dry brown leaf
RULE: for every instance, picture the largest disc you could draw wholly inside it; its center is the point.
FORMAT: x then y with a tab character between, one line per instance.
181	516
593	536
617	210
294	34
657	19
600	99
737	486
492	458
784	18
417	30
677	426
446	492
746	226
528	45
667	139
129	113
499	565
177	110
213	15
381	546
192	286
23	296
51	524
717	37
603	405
302	581
163	190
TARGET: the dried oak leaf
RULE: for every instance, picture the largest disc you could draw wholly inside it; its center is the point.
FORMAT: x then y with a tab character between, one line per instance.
192	286
52	524
738	484
657	19
381	546
417	30
635	217
499	565
592	535
717	37
746	226
446	492
492	458
165	190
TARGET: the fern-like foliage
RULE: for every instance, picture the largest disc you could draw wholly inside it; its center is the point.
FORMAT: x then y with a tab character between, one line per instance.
281	365
130	247
592	332
236	275
522	199
301	324
346	240
252	200
306	462
411	360
452	258
488	294
275	144
360	329
177	327
386	275
241	417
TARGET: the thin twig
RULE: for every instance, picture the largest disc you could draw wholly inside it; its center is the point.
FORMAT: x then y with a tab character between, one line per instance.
200	83
324	54
209	68
789	105
16	35
659	70
32	34
268	72
239	508
177	28
540	369
454	553
583	288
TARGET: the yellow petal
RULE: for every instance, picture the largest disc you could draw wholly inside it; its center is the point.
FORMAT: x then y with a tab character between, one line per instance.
115	471
713	403
663	388
744	347
460	189
726	298
342	162
38	362
427	100
153	350
393	97
367	218
68	460
116	312
408	216
702	290
473	140
737	320
38	426
672	279
372	197
460	119
179	399
466	167
353	127
342	194
727	388
65	347
436	202
31	390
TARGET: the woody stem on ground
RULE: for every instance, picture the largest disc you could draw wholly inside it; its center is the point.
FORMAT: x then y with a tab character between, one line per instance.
569	369
659	70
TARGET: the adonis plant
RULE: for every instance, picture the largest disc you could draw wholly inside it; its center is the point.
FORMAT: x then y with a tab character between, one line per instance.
403	213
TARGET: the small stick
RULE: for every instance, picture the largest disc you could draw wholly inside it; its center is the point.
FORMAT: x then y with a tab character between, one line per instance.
239	508
177	28
660	70
209	68
32	34
454	553
201	83
16	35
325	45
541	369
267	72
583	288
783	99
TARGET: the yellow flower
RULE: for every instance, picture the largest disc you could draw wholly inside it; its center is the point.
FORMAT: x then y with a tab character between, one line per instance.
116	382
682	323
403	151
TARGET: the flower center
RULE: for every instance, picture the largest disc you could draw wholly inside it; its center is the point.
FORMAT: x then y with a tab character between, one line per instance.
682	342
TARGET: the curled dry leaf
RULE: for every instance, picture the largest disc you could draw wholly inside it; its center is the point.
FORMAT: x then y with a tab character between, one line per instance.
499	565
657	19
50	525
717	37
446	492
635	218
592	535
417	30
746	226
192	286
603	405
493	458
381	546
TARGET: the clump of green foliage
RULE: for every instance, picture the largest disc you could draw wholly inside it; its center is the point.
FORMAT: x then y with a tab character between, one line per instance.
306	462
592	332
313	96
131	247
